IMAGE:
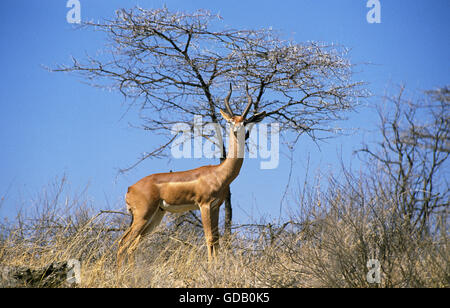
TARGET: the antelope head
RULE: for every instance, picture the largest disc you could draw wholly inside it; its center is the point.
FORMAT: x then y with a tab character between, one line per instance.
239	122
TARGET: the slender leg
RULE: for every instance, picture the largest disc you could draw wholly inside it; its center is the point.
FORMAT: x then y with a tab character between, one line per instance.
130	240
141	221
155	221
210	220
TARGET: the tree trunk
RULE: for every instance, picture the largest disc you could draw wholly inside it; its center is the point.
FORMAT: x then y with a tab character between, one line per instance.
228	209
228	215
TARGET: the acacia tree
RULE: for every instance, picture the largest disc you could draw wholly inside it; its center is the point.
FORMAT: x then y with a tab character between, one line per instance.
178	65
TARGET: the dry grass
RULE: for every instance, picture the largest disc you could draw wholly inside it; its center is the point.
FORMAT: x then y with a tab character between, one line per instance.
327	243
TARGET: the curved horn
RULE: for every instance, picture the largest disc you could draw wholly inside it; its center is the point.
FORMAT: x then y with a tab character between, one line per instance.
250	102
227	101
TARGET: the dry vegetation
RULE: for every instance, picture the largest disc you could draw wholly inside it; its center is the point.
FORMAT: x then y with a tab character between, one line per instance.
395	211
327	244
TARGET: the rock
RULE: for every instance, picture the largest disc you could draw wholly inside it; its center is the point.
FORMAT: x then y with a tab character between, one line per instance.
56	274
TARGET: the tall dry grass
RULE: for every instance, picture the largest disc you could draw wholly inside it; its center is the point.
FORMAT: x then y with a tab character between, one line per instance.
327	241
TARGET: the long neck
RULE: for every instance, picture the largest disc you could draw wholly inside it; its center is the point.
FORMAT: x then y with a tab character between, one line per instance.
231	166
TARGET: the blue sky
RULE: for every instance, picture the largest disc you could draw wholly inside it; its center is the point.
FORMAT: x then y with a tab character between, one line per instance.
52	124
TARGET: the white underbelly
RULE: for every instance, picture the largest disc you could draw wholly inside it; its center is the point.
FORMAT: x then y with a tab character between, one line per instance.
177	208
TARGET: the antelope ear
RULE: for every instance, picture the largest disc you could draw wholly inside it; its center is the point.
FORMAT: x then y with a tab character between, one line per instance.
256	118
225	115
